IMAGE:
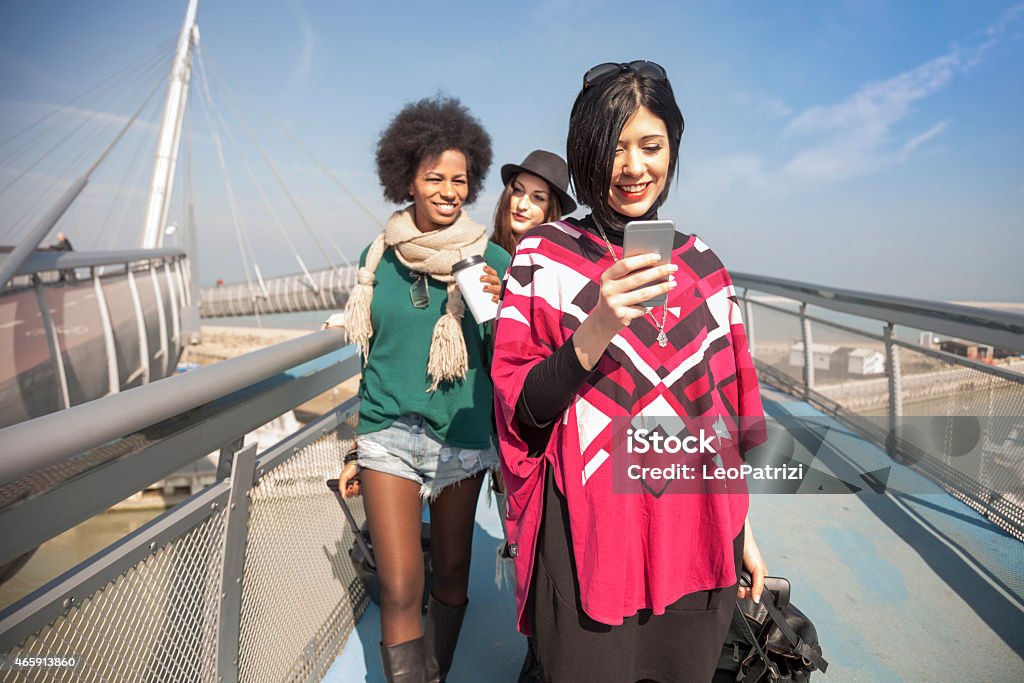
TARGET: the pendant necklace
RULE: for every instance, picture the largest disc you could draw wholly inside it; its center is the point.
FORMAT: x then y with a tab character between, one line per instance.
662	337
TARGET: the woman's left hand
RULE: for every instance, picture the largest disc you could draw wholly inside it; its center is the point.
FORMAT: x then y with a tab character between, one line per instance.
492	285
753	563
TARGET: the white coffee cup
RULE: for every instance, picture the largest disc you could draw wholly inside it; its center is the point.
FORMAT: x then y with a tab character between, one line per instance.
467	274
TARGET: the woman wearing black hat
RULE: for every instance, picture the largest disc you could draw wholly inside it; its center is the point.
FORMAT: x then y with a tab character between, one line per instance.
535	193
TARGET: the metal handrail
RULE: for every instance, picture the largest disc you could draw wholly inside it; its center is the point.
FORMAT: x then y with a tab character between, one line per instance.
997	328
41	261
51	439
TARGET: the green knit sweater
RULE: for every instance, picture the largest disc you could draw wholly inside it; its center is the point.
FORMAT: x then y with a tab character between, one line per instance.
395	381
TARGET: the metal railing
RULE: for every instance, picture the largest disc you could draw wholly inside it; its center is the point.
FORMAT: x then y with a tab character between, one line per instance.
958	420
319	290
132	309
246	580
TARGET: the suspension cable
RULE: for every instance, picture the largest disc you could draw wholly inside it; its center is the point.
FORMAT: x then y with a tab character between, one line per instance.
145	143
10	265
99	86
270	208
284	186
67	166
232	204
238	106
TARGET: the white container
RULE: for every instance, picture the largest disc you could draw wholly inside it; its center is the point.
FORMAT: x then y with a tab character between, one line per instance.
467	274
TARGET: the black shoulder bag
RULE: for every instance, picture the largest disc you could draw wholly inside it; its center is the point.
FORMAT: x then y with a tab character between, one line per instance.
769	641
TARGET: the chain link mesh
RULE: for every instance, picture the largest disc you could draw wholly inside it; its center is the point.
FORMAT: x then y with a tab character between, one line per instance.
158	620
855	376
974	437
300	589
155	622
960	425
776	334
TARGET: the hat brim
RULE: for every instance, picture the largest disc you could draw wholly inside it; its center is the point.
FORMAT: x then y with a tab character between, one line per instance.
565	202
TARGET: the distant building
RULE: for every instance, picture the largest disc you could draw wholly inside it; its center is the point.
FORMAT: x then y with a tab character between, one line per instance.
981	352
821	355
865	362
840	360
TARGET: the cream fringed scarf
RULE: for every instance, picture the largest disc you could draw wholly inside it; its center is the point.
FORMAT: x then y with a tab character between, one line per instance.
433	253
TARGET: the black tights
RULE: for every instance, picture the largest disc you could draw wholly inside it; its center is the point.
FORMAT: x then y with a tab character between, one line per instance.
394	511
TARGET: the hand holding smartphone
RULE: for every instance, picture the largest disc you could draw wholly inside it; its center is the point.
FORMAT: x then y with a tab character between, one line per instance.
647	237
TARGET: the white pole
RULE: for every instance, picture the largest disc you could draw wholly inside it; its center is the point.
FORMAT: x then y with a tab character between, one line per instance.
170	132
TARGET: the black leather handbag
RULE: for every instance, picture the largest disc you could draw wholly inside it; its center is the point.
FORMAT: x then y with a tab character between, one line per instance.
769	641
361	552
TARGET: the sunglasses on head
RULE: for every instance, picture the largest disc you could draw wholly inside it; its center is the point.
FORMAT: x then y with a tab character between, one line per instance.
640	67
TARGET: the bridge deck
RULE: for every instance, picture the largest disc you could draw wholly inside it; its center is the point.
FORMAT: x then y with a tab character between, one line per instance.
901	586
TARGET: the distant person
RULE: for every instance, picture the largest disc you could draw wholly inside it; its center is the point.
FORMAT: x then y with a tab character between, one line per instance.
620	586
62	243
536	192
426	430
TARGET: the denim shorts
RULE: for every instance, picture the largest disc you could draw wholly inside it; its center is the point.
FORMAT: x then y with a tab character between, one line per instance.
407	449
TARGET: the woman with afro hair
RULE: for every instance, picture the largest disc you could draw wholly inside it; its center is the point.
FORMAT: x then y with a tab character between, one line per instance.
425	417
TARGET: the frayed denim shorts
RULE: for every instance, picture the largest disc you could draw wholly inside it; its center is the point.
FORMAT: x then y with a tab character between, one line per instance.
407	449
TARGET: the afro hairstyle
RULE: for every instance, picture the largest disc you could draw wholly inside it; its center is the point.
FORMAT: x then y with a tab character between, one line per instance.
424	130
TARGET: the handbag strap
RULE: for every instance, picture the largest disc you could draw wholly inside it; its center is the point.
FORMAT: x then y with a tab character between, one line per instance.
799	646
769	665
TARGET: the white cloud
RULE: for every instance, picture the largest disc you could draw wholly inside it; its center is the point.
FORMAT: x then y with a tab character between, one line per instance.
304	63
857	135
918	140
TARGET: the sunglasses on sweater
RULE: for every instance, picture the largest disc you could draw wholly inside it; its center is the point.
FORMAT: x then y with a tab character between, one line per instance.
640	67
419	292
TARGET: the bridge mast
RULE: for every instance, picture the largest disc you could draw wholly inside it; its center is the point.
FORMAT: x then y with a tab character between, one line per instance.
170	132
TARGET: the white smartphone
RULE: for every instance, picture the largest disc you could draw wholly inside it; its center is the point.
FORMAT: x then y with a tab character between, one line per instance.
647	237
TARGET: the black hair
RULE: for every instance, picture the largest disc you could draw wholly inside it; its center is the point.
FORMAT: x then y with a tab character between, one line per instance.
598	117
424	130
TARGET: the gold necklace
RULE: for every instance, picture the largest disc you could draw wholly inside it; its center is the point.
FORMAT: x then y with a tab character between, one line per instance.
662	337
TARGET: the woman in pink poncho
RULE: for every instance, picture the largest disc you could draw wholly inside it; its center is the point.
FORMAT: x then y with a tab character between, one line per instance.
620	578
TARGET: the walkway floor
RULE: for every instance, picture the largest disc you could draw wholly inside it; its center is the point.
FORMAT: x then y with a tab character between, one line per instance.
901	586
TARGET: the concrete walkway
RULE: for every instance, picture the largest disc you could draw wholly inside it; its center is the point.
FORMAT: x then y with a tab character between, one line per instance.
909	585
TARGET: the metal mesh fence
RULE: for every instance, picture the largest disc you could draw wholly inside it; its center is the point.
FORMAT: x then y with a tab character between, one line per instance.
155	622
158	620
776	335
850	369
959	424
973	441
301	594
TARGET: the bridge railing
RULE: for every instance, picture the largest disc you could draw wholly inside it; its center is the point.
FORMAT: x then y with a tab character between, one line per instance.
246	580
952	409
319	290
64	310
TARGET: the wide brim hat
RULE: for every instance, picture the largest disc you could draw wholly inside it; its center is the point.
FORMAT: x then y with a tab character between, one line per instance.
551	168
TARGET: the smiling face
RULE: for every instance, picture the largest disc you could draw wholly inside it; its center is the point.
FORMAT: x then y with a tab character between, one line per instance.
439	190
642	159
529	202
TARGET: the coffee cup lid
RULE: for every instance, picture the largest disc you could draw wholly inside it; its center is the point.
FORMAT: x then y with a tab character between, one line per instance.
467	262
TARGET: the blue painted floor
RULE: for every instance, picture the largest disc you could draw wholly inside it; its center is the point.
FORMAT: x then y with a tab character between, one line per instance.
911	585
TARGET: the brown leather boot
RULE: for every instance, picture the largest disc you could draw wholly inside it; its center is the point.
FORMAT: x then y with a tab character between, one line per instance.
404	663
441	636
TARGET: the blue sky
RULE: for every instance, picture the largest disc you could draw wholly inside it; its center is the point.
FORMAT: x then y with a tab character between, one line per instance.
864	144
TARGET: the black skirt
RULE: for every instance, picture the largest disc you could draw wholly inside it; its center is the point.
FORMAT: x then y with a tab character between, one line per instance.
679	646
